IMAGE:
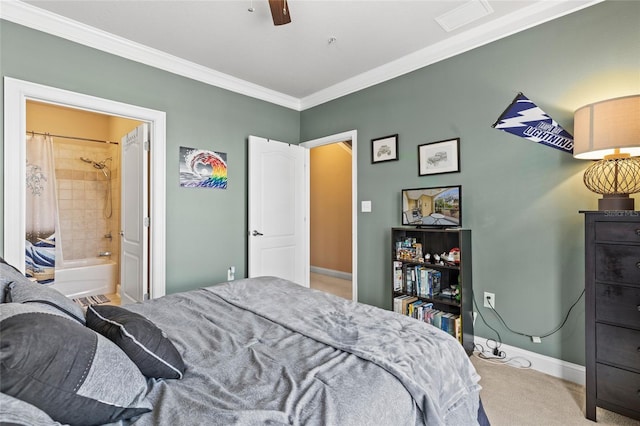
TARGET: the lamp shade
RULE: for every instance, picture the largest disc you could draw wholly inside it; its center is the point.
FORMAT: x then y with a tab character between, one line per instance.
602	127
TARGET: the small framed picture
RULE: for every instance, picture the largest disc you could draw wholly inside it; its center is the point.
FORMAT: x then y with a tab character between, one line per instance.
384	149
439	157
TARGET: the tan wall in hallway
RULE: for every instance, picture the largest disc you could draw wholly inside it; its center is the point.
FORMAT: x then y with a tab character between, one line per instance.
331	207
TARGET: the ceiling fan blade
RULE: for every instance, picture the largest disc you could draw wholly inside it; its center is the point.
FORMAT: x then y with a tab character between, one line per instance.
280	12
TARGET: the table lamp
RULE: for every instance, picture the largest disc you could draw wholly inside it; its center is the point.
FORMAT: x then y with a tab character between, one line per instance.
609	131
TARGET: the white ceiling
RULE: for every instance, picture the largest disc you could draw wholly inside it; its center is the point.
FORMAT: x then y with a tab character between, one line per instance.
295	65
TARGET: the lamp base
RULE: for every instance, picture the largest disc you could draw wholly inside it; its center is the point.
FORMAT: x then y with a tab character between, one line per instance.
616	202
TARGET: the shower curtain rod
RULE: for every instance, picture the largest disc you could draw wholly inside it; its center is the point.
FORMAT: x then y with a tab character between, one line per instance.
72	137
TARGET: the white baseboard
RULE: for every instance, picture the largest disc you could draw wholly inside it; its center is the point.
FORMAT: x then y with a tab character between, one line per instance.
545	364
331	272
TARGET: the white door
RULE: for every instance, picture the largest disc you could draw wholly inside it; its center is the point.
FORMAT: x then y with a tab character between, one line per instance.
134	247
278	204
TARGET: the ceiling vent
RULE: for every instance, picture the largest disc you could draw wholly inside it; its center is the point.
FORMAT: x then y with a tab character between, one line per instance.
464	14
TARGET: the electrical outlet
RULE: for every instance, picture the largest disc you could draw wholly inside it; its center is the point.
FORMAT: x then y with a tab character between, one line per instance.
231	273
489	298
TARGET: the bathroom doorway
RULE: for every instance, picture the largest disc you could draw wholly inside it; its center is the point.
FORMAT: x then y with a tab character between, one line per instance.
87	159
16	95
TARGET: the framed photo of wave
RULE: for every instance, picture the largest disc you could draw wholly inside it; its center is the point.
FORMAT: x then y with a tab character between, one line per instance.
200	168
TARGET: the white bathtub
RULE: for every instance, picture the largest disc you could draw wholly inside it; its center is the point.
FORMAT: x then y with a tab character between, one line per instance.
86	277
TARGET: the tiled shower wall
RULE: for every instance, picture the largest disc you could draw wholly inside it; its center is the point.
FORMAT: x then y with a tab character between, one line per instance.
82	198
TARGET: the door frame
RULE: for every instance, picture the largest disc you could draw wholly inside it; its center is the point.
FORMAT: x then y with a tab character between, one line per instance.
16	94
351	135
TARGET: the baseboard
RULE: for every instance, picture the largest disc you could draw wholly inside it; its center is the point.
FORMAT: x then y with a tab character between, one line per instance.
331	272
545	364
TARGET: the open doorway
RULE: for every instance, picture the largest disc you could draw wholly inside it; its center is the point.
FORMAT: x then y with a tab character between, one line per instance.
16	95
333	214
88	179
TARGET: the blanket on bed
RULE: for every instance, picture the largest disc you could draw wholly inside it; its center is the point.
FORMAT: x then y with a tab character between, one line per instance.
431	364
266	351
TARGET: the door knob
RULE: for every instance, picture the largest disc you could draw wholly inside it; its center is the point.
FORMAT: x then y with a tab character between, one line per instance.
256	233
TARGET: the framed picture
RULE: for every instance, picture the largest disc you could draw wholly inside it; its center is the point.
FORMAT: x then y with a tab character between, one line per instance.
200	168
439	157
384	149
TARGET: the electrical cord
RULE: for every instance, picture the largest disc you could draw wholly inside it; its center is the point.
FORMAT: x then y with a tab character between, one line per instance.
530	335
501	359
496	349
493	354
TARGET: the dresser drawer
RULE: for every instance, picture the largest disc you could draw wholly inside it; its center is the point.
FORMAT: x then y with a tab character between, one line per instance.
617	386
619	346
618	263
618	304
624	232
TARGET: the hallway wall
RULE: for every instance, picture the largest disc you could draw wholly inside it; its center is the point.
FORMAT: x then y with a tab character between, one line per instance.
330	200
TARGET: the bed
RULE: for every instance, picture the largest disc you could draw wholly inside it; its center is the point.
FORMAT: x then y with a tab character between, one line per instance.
248	352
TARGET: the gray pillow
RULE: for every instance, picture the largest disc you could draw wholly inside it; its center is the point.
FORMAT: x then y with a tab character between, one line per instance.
8	275
147	346
47	298
16	412
70	372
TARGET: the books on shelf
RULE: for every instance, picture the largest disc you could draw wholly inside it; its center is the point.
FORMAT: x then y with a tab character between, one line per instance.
401	303
398	282
424	311
419	280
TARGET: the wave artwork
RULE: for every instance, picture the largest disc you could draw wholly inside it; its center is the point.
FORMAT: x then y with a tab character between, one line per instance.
200	168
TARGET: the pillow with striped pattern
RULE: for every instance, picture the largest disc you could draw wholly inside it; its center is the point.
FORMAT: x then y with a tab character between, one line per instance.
68	371
146	345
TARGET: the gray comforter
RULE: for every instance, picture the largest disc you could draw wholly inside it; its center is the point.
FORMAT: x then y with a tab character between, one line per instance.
267	351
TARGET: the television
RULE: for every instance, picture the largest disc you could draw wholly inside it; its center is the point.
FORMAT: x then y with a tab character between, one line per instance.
438	206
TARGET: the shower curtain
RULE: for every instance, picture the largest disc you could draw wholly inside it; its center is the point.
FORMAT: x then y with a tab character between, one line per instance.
41	215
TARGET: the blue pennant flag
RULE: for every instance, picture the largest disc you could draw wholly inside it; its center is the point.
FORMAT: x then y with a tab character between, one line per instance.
525	119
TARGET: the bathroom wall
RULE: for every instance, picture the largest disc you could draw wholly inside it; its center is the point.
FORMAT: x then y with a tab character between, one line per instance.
83	204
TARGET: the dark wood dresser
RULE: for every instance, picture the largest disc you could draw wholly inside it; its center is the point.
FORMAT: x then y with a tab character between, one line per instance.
612	312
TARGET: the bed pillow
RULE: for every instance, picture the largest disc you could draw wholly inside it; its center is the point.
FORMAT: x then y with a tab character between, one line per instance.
47	298
16	412
9	274
66	370
146	345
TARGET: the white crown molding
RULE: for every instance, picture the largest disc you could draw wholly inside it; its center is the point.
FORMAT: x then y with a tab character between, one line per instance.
523	19
42	20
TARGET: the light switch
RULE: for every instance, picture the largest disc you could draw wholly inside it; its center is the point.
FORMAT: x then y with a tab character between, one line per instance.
366	206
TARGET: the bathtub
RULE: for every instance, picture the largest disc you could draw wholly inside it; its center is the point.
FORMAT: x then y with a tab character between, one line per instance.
86	277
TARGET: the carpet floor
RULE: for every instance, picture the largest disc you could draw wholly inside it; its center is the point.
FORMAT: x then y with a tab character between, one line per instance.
522	397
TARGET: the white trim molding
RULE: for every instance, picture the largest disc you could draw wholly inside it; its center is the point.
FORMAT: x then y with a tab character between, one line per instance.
42	20
331	273
51	23
545	364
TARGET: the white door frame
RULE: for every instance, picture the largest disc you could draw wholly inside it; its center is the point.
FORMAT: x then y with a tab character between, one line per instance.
16	94
351	135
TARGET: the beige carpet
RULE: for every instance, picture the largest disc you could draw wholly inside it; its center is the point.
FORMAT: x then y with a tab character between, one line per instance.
329	284
519	397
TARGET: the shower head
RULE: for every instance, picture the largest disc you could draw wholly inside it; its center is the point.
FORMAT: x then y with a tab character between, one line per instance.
101	165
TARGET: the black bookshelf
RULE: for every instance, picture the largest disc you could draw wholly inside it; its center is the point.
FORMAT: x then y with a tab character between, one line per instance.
452	274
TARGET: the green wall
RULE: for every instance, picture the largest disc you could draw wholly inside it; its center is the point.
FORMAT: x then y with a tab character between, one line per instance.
205	228
520	199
